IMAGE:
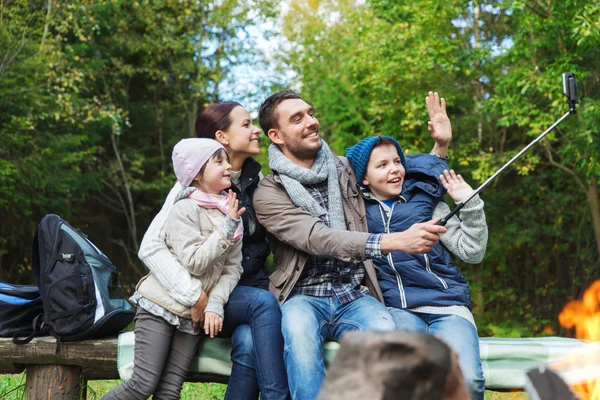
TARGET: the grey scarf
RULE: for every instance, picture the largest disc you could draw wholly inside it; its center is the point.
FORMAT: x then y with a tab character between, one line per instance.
294	177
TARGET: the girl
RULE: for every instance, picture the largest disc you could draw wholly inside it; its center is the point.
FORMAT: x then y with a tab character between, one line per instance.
203	232
252	314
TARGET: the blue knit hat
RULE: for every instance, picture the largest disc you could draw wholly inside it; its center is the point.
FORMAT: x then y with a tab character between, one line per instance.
359	155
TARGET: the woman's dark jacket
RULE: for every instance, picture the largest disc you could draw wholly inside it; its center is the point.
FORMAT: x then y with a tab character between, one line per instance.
255	248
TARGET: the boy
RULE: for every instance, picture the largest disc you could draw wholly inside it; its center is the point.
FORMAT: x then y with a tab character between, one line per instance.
424	292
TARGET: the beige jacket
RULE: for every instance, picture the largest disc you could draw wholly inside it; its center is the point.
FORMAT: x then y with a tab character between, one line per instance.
294	233
195	236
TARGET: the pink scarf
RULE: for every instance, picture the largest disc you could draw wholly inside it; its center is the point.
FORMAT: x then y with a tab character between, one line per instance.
213	201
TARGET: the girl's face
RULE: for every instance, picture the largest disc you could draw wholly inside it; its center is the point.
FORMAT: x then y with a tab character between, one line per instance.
385	173
241	138
215	176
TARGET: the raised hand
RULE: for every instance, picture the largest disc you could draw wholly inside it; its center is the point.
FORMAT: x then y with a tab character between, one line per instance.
439	124
456	186
233	206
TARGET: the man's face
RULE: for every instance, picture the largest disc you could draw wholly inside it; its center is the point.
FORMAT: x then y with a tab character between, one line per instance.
298	135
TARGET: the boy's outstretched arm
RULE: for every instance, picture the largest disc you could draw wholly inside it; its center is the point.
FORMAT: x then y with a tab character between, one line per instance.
439	124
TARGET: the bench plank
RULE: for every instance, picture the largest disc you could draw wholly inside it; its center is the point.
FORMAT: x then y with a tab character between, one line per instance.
97	358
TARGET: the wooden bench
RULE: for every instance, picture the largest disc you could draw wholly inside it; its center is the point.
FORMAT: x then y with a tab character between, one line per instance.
63	376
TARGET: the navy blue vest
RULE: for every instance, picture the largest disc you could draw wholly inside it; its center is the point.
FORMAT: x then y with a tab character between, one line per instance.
407	280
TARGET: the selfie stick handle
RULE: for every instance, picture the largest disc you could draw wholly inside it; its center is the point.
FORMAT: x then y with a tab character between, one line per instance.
460	205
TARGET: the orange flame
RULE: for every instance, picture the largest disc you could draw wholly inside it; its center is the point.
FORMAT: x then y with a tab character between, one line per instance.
584	316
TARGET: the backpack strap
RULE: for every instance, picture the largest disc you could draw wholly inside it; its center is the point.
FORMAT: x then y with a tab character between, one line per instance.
38	329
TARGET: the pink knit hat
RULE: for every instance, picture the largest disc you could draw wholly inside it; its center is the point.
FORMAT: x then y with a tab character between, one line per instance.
190	155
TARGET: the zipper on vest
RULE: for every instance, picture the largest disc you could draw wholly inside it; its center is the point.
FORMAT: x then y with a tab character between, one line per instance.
428	268
386	225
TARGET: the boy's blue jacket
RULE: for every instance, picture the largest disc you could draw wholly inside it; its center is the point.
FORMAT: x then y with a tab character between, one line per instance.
430	279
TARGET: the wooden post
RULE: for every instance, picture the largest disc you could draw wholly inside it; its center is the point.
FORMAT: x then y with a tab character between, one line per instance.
54	382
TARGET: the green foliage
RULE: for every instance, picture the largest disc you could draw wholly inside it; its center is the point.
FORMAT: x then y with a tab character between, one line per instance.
367	68
95	95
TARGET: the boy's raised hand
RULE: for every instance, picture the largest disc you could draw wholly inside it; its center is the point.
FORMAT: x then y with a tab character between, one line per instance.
439	124
213	324
456	186
233	206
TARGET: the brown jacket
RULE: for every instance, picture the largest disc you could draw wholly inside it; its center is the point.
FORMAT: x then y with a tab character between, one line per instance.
294	233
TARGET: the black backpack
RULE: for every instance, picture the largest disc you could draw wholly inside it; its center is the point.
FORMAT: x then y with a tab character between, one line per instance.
19	305
80	290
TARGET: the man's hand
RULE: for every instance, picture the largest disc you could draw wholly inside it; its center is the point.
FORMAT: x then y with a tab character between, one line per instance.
213	324
456	186
198	311
417	239
439	124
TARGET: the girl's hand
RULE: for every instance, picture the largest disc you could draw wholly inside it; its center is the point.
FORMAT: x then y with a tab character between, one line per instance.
233	206
198	310
213	324
456	186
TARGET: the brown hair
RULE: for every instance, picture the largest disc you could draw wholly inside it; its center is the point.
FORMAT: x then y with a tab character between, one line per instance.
267	117
219	154
381	140
215	118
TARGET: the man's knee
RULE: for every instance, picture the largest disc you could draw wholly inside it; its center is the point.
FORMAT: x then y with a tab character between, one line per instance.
301	331
375	317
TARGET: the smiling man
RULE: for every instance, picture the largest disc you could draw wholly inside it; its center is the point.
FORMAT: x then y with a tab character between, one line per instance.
324	278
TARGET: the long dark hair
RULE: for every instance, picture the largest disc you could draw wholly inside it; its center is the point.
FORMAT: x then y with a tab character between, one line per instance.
215	118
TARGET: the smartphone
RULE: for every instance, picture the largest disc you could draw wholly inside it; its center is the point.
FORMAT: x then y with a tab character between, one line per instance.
570	88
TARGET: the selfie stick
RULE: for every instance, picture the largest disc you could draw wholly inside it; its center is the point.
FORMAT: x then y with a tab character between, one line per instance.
569	90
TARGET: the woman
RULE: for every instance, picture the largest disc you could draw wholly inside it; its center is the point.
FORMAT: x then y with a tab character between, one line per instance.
252	314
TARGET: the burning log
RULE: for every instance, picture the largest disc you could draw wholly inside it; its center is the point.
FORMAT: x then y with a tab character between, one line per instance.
581	369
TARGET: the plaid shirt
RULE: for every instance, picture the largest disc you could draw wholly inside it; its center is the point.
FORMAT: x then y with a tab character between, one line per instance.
328	277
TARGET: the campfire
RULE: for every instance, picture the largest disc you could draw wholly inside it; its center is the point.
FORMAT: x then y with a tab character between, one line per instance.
581	370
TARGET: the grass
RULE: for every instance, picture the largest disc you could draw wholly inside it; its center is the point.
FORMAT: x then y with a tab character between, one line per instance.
12	387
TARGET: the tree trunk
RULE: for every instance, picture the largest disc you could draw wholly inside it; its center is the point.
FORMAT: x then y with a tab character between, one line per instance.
56	382
595	209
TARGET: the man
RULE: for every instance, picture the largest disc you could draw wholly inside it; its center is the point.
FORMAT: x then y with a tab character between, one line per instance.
311	207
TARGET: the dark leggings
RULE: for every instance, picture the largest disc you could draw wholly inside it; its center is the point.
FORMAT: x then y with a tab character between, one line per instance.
162	356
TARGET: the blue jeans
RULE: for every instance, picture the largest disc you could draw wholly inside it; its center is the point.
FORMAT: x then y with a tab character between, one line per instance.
308	321
458	333
253	320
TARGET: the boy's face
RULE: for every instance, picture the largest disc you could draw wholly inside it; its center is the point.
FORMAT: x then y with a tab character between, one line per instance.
385	173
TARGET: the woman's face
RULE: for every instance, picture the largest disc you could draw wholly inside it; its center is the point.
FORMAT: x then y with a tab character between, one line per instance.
241	138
